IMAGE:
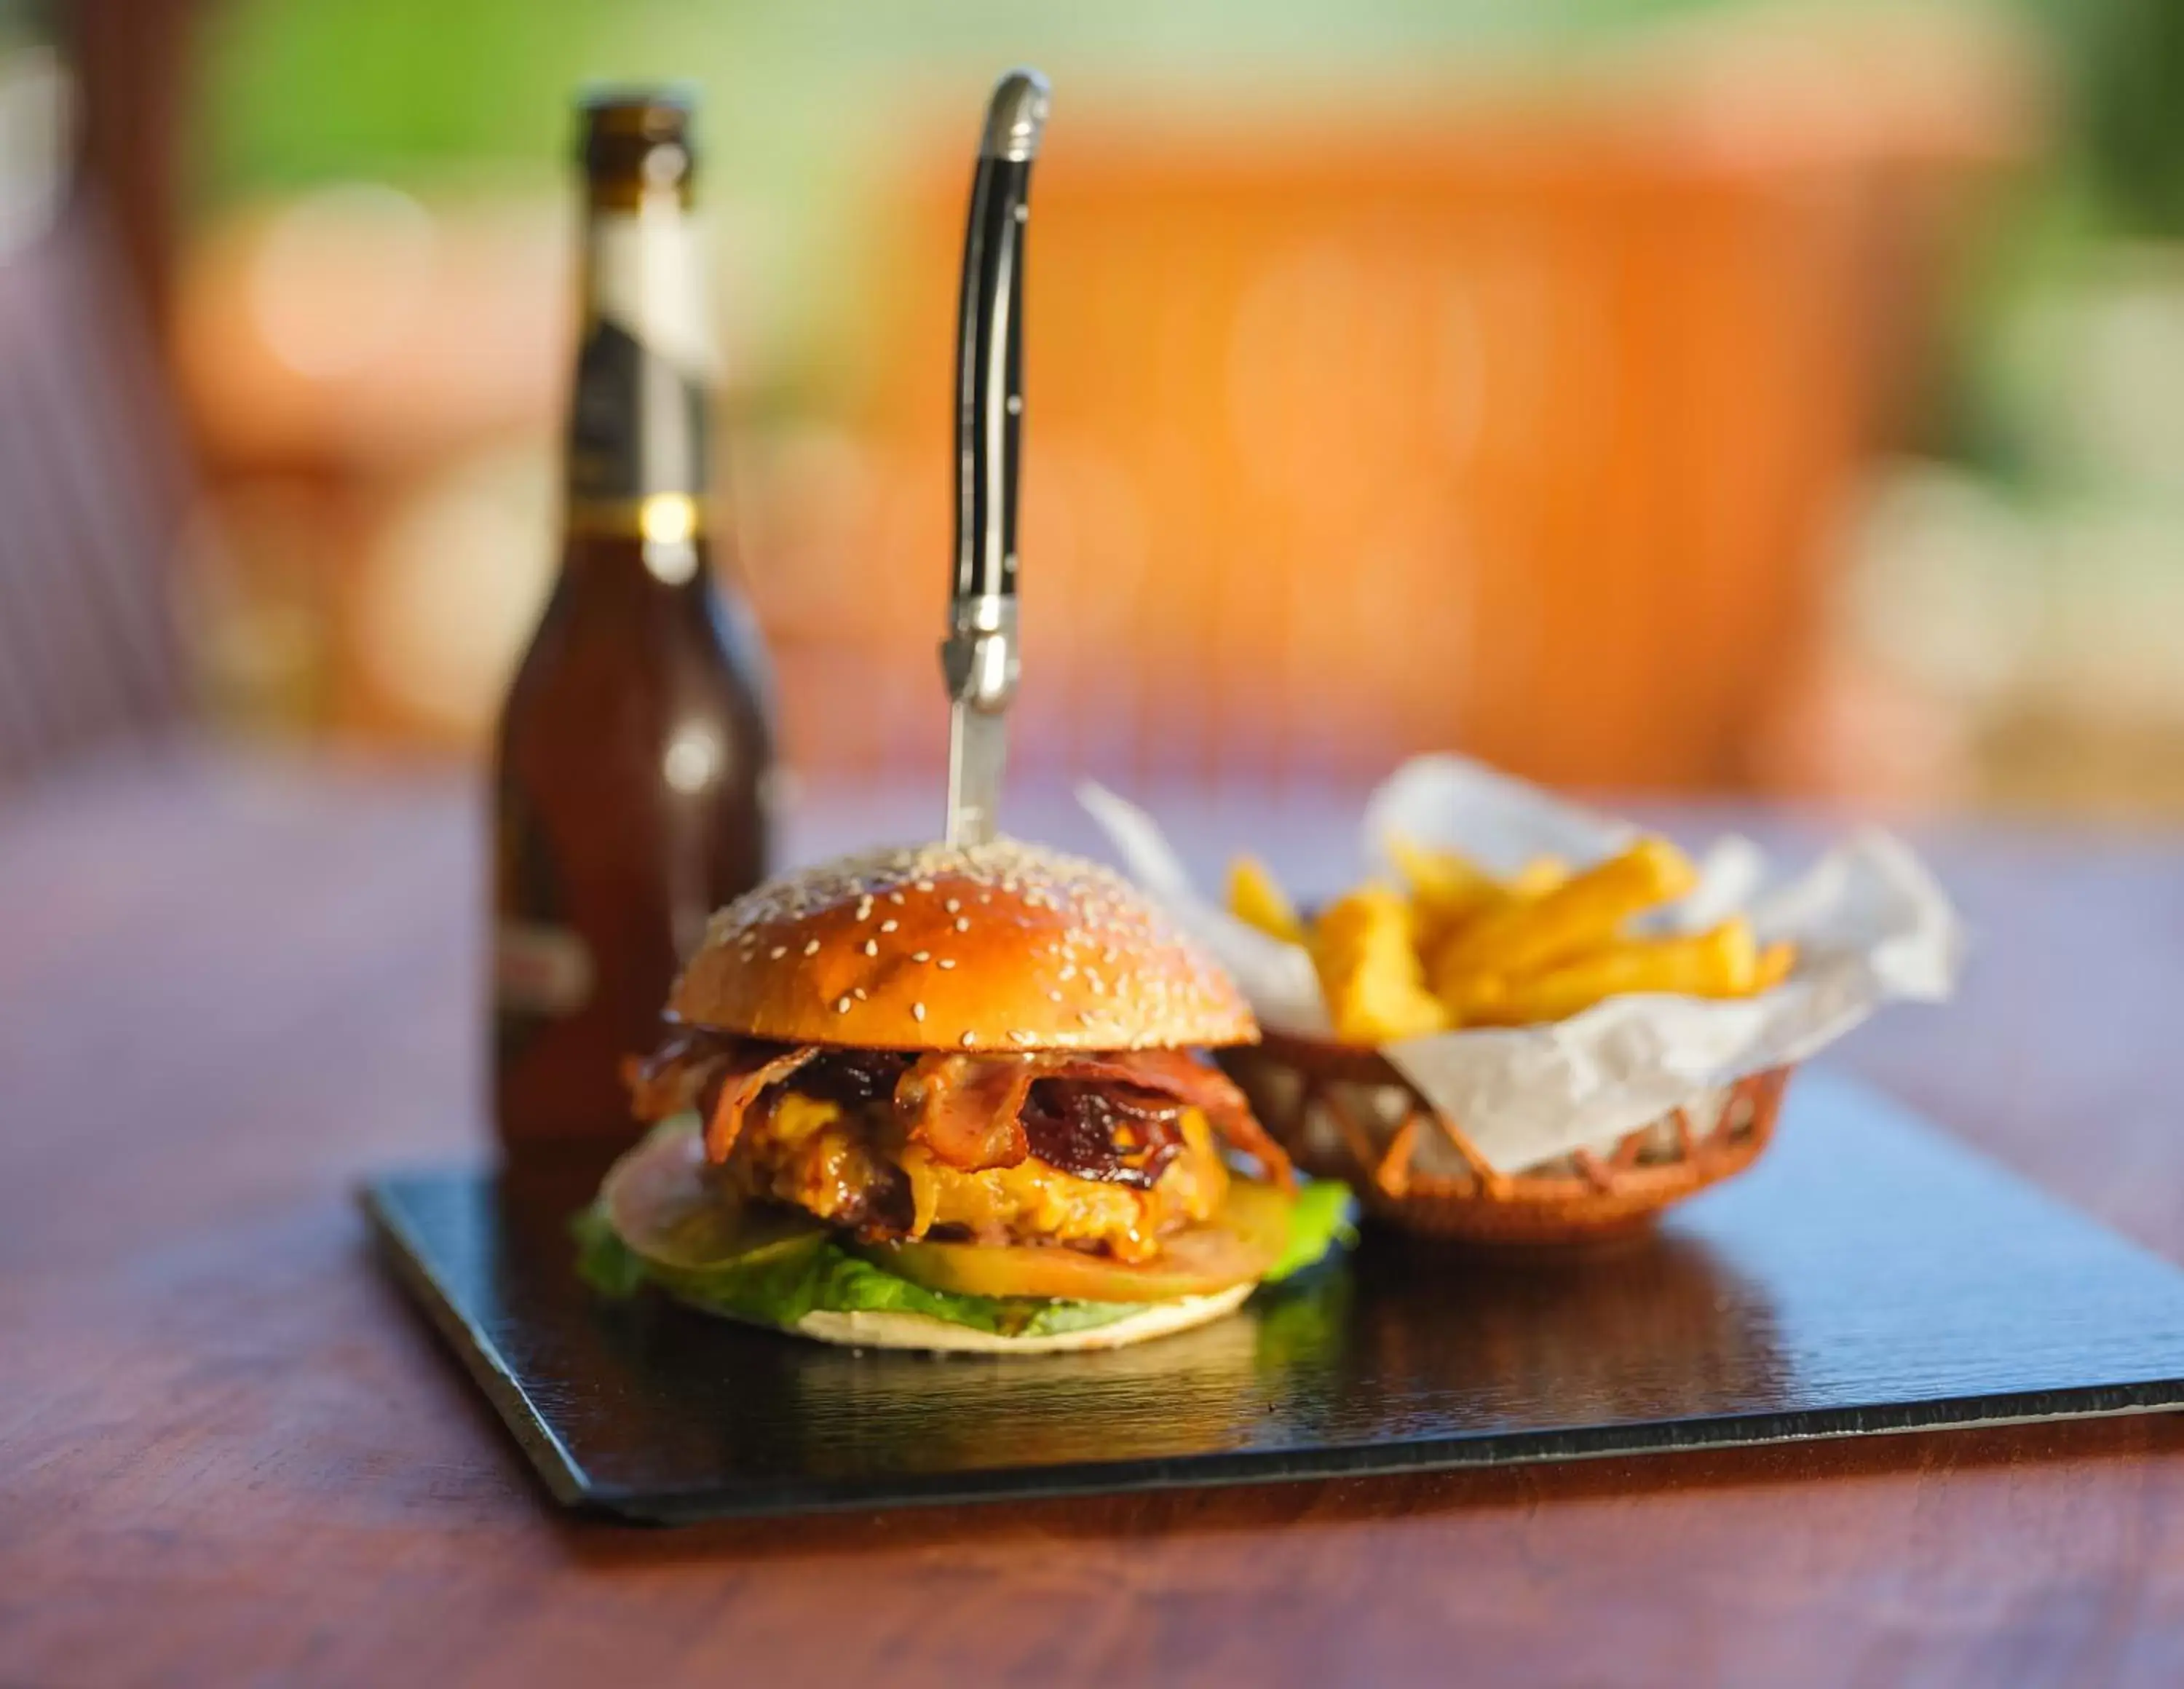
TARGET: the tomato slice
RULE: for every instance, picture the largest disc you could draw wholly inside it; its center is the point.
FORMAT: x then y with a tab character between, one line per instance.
663	1204
1238	1245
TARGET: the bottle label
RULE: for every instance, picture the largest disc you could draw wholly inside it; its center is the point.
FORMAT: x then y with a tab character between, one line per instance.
637	424
540	970
637	417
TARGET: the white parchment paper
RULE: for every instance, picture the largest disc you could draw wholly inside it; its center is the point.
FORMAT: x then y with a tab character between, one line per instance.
1871	924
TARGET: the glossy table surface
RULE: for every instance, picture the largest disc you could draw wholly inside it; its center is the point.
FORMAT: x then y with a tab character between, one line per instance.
231	1452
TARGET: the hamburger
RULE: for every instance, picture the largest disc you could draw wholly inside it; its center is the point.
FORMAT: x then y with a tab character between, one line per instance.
947	1098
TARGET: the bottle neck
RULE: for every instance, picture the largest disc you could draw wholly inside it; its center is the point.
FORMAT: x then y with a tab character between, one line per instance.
638	414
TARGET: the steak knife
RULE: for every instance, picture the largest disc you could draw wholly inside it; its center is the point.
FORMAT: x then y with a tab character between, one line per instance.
978	658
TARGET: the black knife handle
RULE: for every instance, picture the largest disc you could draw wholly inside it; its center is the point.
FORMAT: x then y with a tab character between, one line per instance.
989	342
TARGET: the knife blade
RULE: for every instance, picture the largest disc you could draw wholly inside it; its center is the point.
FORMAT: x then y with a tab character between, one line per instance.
977	755
978	658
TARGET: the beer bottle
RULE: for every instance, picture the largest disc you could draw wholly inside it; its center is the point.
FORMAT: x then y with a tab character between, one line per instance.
634	753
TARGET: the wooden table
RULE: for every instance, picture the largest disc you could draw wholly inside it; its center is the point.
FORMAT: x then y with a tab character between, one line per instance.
230	1452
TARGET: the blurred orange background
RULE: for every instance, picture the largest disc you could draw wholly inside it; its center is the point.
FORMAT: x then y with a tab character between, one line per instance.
1619	405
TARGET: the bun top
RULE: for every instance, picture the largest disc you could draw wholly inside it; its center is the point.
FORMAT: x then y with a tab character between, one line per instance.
999	946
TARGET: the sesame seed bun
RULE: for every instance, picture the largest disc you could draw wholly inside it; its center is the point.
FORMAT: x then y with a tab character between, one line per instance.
917	1331
998	946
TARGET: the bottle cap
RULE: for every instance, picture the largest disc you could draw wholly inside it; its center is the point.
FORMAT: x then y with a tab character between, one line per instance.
636	138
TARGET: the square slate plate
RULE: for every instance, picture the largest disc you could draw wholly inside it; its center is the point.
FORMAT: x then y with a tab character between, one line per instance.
1868	1275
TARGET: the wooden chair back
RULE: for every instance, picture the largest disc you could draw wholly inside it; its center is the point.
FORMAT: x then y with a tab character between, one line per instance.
92	503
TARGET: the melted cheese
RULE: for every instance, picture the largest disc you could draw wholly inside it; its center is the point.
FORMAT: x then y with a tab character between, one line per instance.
809	1152
804	1152
797	1117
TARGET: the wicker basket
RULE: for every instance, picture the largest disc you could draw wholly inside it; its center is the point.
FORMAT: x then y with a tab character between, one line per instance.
1346	1114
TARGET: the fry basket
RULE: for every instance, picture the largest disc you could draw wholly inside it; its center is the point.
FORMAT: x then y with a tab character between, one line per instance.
1345	1113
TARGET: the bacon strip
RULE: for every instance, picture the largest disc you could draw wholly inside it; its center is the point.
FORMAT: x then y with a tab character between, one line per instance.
742	1076
672	1079
1174	1074
965	1108
1115	1134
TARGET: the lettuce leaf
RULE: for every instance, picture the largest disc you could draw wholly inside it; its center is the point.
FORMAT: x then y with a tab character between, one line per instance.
1325	1215
780	1290
781	1287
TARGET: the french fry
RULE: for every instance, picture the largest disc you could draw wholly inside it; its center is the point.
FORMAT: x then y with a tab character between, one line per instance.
1724	962
1460	947
1256	897
1477	1000
1363	947
1537	877
1775	962
1448	891
1447	888
1583	913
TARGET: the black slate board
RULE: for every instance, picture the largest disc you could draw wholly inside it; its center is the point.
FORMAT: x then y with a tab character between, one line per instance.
1868	1275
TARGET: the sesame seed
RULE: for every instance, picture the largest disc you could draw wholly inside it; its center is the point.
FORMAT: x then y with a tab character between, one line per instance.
859	993
918	1012
948	961
1055	996
921	956
888	926
970	1038
1093	906
1022	1037
962	923
871	946
842	1006
779	951
952	905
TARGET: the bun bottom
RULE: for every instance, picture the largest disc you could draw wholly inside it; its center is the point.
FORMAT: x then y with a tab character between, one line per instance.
938	1336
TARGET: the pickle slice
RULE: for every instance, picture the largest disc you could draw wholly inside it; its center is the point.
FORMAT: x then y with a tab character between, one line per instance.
1238	1245
664	1204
